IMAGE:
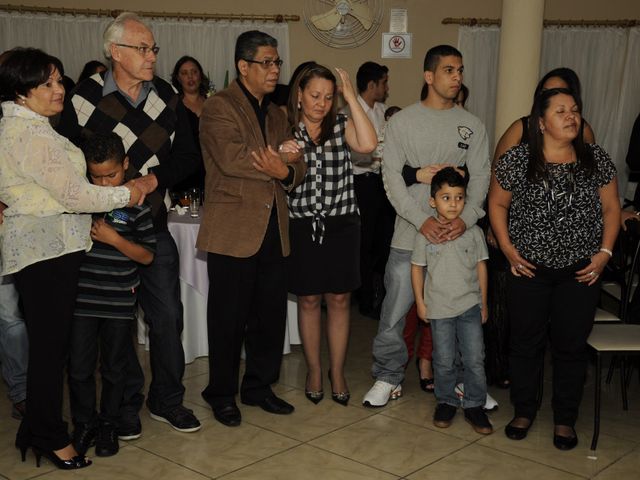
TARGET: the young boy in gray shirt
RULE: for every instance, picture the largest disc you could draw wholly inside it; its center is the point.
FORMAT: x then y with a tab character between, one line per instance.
454	300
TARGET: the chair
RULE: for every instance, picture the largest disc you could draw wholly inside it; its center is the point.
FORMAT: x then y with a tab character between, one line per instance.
620	339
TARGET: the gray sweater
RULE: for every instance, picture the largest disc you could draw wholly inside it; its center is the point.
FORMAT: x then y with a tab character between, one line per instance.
419	136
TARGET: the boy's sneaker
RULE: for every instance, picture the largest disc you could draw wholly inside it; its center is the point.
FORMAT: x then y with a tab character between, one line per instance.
84	436
129	426
490	403
443	415
107	440
179	417
478	419
381	393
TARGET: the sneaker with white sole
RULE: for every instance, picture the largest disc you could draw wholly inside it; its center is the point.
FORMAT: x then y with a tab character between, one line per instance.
490	403
380	394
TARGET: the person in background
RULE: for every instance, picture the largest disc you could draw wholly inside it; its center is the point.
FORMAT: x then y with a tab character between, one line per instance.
555	213
44	236
14	346
193	87
324	223
91	68
106	303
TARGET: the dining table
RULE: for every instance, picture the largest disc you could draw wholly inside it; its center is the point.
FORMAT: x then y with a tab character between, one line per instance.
194	288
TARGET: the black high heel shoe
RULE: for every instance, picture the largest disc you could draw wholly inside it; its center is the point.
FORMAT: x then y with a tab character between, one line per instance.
72	464
313	396
23	440
426	384
339	397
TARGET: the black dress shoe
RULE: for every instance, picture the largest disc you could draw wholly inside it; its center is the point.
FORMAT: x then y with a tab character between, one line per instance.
565	443
227	414
517	433
272	404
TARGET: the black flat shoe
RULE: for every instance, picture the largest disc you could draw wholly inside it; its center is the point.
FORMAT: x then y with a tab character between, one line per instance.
79	461
228	414
517	433
565	443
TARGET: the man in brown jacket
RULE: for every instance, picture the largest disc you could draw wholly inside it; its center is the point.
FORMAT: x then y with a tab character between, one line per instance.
250	163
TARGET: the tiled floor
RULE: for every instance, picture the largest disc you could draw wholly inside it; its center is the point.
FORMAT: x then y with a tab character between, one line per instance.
329	441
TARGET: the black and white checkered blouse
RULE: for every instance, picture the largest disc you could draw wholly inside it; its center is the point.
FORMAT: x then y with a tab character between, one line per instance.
327	189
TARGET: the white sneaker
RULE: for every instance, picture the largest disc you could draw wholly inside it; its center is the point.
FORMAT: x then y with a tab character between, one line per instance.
490	403
381	393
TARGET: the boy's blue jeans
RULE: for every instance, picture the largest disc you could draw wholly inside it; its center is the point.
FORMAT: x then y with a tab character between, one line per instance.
466	328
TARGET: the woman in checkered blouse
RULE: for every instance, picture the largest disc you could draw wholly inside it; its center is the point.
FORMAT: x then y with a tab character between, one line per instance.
324	220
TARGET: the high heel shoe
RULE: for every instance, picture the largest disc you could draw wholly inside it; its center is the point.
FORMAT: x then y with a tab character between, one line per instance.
23	440
72	464
313	396
426	384
339	397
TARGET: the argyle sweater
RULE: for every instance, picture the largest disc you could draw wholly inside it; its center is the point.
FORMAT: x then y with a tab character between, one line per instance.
156	134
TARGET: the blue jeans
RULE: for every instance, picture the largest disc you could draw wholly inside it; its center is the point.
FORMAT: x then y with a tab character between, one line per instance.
14	346
466	329
389	349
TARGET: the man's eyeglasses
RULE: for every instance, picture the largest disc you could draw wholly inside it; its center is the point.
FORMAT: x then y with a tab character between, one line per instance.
142	50
266	64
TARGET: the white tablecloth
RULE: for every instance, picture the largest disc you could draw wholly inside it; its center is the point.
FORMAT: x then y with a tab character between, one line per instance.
194	288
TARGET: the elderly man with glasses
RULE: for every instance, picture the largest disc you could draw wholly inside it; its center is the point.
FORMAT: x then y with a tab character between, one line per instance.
250	164
145	111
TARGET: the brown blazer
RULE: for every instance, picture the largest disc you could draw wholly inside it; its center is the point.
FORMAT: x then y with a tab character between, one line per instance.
239	198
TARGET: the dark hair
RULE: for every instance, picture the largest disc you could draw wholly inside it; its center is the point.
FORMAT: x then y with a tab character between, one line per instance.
203	89
103	147
369	71
23	70
567	75
424	92
90	68
449	176
248	43
391	111
280	95
465	94
536	170
293	111
432	58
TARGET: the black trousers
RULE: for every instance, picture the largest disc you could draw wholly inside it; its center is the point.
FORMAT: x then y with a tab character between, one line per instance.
114	337
552	307
376	229
247	303
48	292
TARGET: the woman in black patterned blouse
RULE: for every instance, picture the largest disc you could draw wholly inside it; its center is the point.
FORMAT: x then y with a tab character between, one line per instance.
555	212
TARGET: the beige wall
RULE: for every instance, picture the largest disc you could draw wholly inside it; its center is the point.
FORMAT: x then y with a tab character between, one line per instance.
425	18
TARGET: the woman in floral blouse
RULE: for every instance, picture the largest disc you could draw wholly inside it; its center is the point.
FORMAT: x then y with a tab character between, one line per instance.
42	239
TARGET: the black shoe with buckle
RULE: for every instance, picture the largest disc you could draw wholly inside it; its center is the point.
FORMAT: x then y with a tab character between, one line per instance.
107	440
227	414
84	436
179	417
443	415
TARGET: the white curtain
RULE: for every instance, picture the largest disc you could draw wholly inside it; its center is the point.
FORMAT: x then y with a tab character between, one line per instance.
605	59
78	39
